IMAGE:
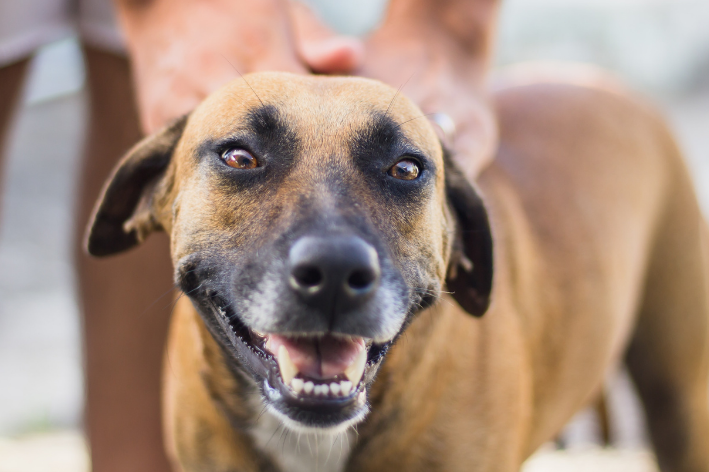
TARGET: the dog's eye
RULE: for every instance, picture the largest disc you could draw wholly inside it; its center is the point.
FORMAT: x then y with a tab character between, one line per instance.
405	169
239	159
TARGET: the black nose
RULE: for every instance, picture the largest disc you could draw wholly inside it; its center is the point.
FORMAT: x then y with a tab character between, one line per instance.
333	274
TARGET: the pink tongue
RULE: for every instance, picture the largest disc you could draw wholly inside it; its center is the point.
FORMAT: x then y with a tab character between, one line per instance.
321	358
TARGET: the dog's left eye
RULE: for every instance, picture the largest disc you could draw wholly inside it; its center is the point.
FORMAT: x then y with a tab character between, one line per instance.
405	169
239	159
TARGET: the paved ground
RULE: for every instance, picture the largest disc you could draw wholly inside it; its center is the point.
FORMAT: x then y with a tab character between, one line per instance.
66	452
40	363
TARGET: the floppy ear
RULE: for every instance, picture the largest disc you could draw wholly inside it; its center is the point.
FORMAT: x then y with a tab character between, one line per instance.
123	215
470	270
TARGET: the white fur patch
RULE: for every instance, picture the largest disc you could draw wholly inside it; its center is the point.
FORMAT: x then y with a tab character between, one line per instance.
297	449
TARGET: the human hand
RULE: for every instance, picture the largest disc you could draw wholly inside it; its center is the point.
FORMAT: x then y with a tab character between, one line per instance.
423	53
322	50
182	50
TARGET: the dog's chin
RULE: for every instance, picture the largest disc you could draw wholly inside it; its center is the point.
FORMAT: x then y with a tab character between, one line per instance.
329	399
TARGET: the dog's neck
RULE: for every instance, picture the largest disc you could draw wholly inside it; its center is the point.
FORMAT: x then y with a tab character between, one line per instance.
296	451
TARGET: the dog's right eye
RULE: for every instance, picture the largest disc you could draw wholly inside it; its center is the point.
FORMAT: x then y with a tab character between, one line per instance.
239	159
405	169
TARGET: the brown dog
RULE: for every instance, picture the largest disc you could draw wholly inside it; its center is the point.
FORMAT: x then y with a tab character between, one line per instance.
315	223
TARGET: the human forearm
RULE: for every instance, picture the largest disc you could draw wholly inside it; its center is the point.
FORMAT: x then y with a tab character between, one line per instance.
438	52
182	50
259	28
465	26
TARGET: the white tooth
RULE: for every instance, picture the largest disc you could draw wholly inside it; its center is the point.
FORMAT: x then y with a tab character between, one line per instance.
258	333
268	343
346	387
297	385
355	370
324	389
335	388
361	397
308	386
316	390
288	369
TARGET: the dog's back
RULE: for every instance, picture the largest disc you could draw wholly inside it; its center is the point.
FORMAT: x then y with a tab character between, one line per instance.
620	249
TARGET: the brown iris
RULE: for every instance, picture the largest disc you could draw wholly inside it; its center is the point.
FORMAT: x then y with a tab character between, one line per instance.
405	169
239	159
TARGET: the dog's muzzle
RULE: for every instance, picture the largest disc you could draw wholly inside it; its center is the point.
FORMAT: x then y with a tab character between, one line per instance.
318	337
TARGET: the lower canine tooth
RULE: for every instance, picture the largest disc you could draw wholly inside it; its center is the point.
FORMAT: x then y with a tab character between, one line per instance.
355	371
288	369
297	385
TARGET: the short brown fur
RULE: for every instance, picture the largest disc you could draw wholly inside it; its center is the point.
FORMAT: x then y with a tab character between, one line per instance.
600	252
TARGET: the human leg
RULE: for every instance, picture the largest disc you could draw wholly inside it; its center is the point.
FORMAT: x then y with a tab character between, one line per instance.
11	78
124	318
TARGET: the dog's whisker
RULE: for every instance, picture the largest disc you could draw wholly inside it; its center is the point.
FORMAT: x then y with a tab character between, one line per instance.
330	450
280	425
317	452
173	303
182	294
386	113
399	125
283	440
242	76
171	289
429	291
263	410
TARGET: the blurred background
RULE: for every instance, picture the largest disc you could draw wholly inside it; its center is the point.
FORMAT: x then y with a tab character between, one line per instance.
659	47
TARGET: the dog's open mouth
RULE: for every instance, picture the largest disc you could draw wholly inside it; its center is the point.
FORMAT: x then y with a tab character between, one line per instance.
315	381
318	366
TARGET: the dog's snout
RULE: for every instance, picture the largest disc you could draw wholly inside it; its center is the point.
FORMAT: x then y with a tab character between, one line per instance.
333	274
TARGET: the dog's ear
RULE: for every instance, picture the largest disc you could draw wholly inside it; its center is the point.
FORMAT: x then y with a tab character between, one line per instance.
470	270
123	215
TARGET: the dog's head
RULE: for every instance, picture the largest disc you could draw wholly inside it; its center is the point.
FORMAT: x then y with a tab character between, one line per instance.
310	219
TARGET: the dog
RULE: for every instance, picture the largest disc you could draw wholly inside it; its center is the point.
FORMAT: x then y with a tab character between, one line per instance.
353	302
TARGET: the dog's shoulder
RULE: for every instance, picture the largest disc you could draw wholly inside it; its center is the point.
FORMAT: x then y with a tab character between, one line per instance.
572	103
578	126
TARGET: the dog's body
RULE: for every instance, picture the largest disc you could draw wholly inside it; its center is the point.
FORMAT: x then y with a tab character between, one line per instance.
600	252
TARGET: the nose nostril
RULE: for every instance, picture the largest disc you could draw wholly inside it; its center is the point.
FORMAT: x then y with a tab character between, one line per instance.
360	279
307	276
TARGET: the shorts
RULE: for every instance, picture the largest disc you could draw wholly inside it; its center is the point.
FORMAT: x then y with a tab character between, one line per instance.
26	25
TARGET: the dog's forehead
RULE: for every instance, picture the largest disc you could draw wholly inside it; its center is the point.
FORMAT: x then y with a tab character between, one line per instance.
312	106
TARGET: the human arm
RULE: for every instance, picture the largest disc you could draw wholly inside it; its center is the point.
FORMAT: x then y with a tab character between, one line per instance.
182	50
439	52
